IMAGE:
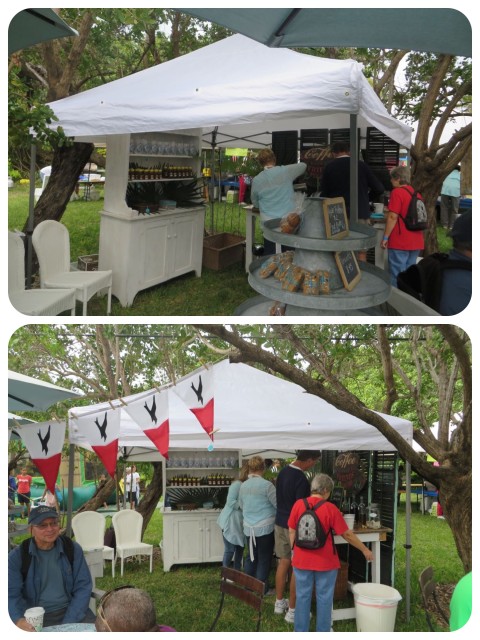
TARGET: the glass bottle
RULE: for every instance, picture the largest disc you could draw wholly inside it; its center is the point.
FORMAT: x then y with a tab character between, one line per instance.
373	516
362	513
354	509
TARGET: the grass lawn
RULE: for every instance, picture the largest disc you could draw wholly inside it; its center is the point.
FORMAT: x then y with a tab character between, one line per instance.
215	293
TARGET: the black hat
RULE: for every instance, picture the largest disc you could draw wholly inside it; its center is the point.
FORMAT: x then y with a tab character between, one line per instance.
462	228
39	514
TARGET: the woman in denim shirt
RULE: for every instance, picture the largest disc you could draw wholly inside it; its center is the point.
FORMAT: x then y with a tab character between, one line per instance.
258	501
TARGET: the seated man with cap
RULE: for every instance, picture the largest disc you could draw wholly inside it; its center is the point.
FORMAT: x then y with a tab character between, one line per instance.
48	571
127	609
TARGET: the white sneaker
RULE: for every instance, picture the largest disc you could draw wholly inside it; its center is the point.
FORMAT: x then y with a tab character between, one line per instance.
281	606
290	616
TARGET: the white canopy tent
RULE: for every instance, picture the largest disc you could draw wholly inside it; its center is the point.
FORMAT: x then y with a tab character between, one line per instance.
254	410
238	85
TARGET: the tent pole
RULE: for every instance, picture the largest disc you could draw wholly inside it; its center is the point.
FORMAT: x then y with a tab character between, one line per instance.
212	179
408	545
354	154
71	468
31	207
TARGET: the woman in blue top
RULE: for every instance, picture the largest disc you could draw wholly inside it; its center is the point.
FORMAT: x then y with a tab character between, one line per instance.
272	190
230	521
258	501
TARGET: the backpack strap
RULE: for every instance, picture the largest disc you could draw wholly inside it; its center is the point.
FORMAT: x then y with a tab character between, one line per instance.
68	548
26	557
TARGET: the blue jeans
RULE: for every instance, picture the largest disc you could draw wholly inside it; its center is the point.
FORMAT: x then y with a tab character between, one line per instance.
324	588
232	551
399	260
263	554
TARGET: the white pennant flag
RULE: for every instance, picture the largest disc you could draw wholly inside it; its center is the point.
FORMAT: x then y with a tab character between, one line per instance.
44	441
151	415
197	392
101	430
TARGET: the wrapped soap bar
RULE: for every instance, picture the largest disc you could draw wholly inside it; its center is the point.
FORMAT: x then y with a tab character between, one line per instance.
316	283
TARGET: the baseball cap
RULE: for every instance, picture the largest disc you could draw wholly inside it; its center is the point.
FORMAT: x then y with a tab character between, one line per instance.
39	514
462	228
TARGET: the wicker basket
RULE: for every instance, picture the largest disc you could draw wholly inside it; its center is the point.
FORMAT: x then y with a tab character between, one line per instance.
341	585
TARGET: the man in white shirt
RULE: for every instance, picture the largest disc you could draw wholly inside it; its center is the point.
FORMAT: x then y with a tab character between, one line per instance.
132	478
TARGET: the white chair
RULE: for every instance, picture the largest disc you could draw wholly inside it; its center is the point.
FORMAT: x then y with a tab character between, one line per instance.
33	302
127	525
89	531
39	190
52	246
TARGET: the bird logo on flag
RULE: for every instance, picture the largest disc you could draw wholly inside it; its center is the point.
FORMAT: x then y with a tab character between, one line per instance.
44	440
198	392
102	428
152	412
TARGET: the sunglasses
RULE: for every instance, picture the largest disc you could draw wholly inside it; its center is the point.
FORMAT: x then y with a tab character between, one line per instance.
104	599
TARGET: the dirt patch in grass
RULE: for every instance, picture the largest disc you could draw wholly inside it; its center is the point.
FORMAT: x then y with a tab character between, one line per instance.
443	595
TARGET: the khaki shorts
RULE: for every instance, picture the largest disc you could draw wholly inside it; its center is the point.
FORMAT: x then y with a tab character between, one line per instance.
282	543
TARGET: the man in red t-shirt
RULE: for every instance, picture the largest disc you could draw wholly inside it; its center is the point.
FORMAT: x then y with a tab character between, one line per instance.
24	482
404	246
319	566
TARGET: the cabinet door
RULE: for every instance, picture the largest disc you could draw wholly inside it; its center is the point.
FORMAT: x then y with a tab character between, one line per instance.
188	539
155	257
182	244
213	539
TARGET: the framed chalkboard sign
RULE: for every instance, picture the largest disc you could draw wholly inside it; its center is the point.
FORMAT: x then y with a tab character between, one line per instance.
335	214
337	496
348	267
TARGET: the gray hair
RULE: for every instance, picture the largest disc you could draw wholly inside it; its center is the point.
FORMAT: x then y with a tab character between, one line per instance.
402	174
130	610
322	484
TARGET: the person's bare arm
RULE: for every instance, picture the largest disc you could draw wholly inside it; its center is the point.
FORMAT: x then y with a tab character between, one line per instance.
355	541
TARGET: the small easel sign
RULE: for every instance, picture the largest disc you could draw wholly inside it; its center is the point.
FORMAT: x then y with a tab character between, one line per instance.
348	267
336	221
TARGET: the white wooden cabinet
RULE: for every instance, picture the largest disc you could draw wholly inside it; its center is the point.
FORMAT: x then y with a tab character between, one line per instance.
195	477
191	537
144	250
148	250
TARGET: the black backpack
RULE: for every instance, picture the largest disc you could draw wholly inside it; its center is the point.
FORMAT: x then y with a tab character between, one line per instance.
309	533
424	280
416	218
27	558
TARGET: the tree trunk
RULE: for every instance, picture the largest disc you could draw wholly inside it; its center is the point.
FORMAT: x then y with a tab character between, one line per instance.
456	500
67	166
102	494
151	496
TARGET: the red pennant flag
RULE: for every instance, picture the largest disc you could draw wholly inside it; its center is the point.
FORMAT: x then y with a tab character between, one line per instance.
101	430
44	441
151	415
197	393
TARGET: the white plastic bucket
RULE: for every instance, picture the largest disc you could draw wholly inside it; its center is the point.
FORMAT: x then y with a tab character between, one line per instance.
375	606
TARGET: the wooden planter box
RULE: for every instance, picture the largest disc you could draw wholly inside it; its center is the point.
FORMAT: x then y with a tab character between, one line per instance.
88	263
222	249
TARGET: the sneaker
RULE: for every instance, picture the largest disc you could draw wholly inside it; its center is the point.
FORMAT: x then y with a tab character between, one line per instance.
281	606
290	616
